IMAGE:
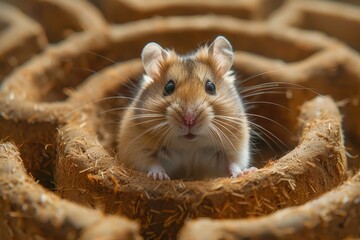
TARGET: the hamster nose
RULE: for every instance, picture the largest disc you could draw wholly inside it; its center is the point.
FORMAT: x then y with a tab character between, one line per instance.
189	118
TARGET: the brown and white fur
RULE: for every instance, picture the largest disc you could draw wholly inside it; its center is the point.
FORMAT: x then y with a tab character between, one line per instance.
193	132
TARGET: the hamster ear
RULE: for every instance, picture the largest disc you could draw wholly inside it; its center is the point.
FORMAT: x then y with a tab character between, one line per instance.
151	56
222	51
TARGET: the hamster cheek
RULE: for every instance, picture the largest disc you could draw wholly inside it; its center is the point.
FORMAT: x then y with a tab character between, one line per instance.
175	120
206	117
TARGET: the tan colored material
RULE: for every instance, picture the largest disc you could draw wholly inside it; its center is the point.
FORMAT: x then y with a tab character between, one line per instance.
20	38
335	215
28	211
139	9
64	122
61	18
332	19
163	206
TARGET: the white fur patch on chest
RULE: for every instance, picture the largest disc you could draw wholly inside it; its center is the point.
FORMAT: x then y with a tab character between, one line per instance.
193	160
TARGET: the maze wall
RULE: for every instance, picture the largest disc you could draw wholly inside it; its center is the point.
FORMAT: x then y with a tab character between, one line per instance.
63	62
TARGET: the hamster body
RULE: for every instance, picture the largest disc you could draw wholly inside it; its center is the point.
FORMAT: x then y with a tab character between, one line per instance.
187	120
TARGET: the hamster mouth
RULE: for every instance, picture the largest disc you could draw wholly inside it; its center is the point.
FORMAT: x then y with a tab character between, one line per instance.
190	136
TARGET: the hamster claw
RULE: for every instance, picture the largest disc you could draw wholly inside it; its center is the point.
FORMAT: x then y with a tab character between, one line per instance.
158	173
235	171
249	170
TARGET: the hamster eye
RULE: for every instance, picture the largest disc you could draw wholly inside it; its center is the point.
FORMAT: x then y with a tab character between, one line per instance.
169	88
210	87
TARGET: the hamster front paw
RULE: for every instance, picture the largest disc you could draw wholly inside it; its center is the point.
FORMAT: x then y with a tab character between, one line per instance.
157	172
235	170
249	170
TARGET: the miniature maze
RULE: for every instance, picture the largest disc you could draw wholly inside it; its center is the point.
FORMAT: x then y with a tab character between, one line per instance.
64	63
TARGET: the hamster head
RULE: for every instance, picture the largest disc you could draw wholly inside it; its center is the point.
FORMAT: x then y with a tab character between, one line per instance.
190	97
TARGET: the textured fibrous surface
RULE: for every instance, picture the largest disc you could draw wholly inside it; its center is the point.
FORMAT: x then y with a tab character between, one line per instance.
28	210
61	111
333	216
20	38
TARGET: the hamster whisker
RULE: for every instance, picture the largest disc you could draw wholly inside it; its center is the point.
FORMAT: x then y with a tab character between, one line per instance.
266	84
160	138
166	137
222	123
102	56
222	133
130	85
112	122
108	59
146	121
266	132
158	126
264	89
203	109
259	86
98	101
115	98
262	93
170	105
170	137
236	120
254	148
270	103
210	134
147	115
270	136
125	108
258	135
260	74
239	120
86	70
216	134
271	120
135	86
282	85
224	98
151	129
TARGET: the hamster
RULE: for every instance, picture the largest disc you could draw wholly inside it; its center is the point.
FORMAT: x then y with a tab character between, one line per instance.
187	120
